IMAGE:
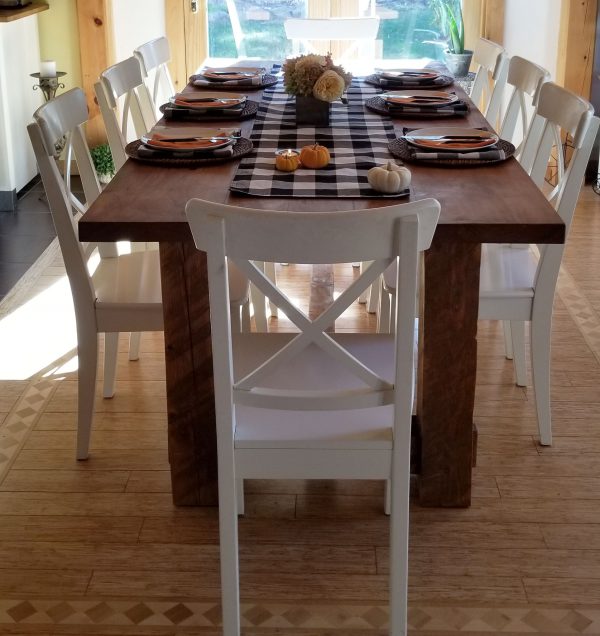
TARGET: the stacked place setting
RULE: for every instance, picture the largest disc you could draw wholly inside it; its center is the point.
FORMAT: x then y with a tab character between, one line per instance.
207	105
246	77
451	145
399	79
189	144
426	104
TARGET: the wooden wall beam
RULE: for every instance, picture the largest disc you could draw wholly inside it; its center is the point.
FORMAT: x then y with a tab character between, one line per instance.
96	30
576	45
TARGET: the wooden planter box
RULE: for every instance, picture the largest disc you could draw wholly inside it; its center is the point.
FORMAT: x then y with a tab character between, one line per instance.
311	111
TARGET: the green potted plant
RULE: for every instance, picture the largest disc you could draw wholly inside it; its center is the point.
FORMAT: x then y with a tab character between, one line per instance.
450	17
103	162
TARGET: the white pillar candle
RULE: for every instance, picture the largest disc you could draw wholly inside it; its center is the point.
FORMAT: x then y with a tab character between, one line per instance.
48	68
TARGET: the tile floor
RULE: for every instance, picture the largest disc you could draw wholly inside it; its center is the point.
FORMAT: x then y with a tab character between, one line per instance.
24	235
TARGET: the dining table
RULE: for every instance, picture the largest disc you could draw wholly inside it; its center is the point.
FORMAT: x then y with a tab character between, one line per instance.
494	203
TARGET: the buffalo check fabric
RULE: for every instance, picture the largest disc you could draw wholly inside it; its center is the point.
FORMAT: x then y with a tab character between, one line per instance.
356	139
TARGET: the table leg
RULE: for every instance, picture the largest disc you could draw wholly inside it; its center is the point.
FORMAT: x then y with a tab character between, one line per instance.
188	356
447	371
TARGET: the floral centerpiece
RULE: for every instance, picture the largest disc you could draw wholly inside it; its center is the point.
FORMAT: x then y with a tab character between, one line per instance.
316	82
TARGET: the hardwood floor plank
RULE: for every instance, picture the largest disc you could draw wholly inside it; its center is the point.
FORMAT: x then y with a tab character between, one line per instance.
100	440
77	528
578	591
140	422
64	481
51	583
107	459
550	487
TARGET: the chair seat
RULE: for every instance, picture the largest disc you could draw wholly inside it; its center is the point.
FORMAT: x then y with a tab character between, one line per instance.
507	271
353	429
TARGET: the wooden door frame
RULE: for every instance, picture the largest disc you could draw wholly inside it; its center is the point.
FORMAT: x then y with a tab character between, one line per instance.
187	33
576	45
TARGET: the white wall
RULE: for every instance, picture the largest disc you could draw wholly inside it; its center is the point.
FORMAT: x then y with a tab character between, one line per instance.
136	22
531	31
18	101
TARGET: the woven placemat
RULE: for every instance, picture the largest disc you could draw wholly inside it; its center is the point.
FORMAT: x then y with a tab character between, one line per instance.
268	80
241	148
250	109
379	105
441	82
401	149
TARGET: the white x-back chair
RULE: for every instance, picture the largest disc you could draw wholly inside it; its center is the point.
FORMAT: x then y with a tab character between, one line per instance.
487	91
312	404
526	79
123	98
516	285
153	58
123	293
356	31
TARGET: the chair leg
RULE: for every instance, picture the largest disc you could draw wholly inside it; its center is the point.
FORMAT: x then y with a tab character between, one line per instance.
236	324
246	317
134	345
399	550
517	330
383	313
541	327
239	493
258	303
228	537
365	295
87	354
270	272
387	498
111	346
373	302
508	348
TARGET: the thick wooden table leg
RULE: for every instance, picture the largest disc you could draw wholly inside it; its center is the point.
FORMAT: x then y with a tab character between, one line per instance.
447	368
190	398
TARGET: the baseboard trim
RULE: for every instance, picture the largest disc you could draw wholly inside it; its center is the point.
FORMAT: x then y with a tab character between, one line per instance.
8	200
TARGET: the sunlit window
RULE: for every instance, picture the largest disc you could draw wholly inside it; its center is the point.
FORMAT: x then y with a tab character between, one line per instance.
408	28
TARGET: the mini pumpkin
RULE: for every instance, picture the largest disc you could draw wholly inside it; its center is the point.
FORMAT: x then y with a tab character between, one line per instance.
287	162
314	156
389	178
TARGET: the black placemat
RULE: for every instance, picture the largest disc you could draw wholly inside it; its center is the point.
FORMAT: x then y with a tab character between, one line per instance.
267	80
401	149
177	113
379	105
241	148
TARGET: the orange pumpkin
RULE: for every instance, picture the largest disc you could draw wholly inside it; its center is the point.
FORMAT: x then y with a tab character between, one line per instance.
287	161
314	156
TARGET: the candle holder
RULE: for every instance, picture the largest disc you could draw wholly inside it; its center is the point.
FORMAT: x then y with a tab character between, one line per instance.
48	85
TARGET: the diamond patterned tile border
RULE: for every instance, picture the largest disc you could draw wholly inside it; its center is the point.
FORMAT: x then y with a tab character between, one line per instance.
17	425
300	617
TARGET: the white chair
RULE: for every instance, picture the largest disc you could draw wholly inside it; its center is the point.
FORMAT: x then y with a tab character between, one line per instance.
487	91
153	58
526	78
122	293
355	31
312	404
516	285
123	97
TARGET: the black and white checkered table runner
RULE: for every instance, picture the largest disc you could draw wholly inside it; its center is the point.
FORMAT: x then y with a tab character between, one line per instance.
356	139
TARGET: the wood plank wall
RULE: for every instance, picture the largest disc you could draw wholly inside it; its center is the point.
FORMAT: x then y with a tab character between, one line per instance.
96	30
576	45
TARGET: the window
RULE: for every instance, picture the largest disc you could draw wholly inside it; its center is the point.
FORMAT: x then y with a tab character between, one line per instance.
254	28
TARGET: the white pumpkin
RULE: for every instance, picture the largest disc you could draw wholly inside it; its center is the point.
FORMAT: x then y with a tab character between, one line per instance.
389	178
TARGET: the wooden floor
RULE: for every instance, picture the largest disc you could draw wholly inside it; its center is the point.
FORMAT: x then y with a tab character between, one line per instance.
97	547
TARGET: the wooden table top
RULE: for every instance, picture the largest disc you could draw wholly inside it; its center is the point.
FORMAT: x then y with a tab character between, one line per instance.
486	204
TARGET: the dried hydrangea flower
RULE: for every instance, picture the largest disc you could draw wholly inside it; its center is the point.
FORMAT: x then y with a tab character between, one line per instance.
329	87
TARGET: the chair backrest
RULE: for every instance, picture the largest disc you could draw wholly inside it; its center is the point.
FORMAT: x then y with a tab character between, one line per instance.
121	87
526	78
244	235
153	58
490	79
64	117
559	112
304	31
